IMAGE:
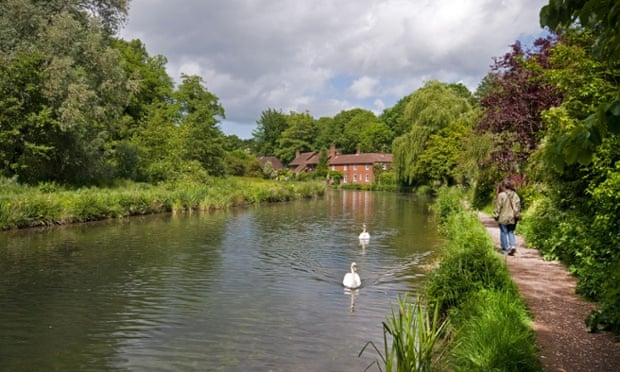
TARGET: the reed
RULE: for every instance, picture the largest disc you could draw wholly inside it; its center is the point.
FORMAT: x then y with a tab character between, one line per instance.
29	206
412	339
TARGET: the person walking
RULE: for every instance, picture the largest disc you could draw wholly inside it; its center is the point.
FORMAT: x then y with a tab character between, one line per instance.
506	212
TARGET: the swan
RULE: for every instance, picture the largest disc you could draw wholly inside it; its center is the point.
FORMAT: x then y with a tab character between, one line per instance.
352	280
364	234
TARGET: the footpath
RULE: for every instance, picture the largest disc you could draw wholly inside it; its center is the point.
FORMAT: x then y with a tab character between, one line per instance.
558	313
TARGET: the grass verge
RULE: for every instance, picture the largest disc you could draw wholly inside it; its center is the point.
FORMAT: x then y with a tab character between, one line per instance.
49	204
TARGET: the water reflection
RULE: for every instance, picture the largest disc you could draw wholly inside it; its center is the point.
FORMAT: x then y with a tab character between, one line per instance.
351	293
364	243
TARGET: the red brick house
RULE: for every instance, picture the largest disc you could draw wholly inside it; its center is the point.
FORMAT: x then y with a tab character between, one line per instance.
356	168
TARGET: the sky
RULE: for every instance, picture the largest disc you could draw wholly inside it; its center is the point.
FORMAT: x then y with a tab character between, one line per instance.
326	56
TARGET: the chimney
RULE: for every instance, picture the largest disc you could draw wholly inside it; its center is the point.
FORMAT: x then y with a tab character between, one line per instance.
332	151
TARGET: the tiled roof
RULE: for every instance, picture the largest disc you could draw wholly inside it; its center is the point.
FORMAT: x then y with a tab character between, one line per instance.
363	158
302	158
275	162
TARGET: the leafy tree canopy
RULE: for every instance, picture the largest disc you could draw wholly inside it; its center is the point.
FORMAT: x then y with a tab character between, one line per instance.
515	94
429	110
602	18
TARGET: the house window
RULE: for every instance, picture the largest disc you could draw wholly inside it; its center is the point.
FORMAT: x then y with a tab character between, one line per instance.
354	166
344	179
345	167
367	177
367	166
355	178
333	167
384	166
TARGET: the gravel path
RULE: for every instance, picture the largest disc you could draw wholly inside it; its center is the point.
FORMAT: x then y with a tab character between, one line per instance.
558	313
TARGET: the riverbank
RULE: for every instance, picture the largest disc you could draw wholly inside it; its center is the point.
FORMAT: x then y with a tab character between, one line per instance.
48	204
558	314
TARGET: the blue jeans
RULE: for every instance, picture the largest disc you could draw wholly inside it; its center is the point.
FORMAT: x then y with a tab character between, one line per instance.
507	236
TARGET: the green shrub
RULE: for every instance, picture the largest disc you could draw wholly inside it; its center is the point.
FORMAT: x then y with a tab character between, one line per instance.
468	264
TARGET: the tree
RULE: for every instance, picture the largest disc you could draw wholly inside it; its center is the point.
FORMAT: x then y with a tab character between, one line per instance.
513	103
148	75
300	135
328	133
80	95
393	117
584	82
201	138
602	18
348	125
322	168
27	127
375	137
430	109
269	128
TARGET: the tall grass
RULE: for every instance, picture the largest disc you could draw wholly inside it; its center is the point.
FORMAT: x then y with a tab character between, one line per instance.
48	204
411	339
471	286
493	334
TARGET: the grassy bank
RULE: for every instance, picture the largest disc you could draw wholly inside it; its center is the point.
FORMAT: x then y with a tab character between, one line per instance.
490	324
49	204
470	316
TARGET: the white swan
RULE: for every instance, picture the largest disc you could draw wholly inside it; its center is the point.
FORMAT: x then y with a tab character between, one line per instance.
364	234
352	280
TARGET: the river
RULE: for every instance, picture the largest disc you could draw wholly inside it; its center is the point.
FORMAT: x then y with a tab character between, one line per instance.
246	289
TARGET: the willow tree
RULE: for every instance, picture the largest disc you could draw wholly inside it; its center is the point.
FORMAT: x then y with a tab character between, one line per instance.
430	109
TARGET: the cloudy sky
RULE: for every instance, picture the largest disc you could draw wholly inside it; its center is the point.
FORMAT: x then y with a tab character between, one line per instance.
325	56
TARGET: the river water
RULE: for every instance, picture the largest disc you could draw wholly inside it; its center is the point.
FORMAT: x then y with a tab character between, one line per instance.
248	289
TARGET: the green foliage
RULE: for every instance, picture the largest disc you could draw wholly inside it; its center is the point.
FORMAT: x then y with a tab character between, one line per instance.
335	176
321	168
447	203
430	110
469	264
49	204
600	15
375	137
268	130
359	126
394	117
602	18
300	135
494	334
472	287
572	134
416	333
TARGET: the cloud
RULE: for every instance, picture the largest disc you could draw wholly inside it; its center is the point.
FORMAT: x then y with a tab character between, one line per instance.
363	87
325	56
